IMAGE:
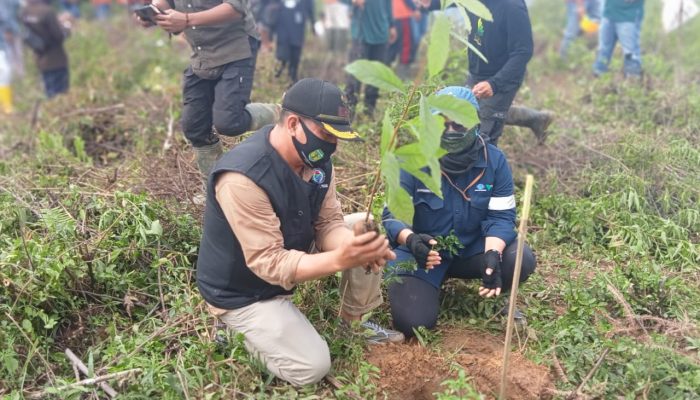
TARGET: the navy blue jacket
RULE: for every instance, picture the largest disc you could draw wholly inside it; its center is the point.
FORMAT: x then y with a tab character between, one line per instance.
506	42
490	210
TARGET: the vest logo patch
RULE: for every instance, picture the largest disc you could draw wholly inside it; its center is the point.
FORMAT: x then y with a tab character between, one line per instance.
318	176
316	155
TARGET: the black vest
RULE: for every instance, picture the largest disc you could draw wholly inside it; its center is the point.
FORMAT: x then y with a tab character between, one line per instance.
224	279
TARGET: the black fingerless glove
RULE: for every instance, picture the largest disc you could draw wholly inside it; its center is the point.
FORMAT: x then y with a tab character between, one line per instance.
492	260
419	245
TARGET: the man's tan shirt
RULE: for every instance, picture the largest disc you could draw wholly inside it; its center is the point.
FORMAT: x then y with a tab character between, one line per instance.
258	229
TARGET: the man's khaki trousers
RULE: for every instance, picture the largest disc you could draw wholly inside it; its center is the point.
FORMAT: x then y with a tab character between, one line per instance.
282	337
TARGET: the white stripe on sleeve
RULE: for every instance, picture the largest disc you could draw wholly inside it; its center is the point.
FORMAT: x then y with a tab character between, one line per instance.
502	203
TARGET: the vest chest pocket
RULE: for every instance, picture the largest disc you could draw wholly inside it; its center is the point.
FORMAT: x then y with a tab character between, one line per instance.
427	211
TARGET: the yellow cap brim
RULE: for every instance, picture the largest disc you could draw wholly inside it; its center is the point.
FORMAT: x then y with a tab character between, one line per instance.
344	135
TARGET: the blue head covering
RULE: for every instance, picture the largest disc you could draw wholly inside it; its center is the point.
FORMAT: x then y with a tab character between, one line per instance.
460	92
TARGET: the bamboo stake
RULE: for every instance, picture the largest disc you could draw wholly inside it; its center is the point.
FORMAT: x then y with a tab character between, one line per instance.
522	232
78	363
88	382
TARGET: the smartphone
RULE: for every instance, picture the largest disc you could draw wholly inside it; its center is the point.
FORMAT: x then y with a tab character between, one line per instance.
148	12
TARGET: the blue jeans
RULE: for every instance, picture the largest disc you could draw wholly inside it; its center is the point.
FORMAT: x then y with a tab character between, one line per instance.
628	34
102	11
573	29
56	81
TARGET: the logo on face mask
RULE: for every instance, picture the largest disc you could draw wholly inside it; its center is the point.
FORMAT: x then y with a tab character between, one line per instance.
316	155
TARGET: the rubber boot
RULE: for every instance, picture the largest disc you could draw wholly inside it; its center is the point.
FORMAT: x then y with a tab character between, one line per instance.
537	121
6	100
262	114
206	158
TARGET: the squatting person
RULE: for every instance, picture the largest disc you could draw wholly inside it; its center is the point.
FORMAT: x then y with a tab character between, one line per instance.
478	204
270	200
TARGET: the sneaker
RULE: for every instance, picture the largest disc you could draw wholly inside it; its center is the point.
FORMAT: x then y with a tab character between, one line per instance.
219	335
376	334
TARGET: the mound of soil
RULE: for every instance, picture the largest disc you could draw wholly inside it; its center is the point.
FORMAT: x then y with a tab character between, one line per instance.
410	371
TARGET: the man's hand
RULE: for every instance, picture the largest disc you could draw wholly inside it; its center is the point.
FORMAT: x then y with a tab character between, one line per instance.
172	21
367	248
393	35
144	23
482	90
421	246
359	3
491	282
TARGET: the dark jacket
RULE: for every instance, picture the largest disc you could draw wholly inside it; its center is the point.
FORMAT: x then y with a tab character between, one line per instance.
490	210
223	278
42	20
505	42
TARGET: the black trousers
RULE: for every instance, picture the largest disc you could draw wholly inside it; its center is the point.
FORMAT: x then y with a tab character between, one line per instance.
364	51
289	56
493	111
415	302
218	103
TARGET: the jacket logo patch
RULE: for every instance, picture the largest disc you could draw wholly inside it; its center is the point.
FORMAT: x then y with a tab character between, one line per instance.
318	176
483	188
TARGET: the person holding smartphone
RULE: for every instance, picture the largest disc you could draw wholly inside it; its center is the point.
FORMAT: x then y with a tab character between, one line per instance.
219	79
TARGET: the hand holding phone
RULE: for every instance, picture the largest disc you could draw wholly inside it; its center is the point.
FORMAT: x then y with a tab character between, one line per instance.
148	13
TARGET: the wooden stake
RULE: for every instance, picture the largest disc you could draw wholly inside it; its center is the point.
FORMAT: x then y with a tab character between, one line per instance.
78	363
522	232
87	382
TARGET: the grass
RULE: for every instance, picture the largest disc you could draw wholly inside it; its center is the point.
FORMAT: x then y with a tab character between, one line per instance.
98	235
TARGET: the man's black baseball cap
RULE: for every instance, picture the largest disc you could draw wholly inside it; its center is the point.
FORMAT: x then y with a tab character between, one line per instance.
323	102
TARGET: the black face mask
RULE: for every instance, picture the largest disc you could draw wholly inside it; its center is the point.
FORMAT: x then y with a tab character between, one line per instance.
462	150
315	152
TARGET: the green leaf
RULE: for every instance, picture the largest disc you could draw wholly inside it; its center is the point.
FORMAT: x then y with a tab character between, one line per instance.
475	7
156	229
376	74
398	200
470	46
413	160
461	111
27	326
431	127
439	47
387	132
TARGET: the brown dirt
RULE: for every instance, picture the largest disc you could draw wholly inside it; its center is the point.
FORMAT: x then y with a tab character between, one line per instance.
410	371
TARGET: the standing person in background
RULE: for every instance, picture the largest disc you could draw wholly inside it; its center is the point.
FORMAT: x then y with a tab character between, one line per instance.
622	20
217	84
506	42
40	19
101	9
72	7
402	48
337	23
576	10
14	45
286	20
372	30
7	33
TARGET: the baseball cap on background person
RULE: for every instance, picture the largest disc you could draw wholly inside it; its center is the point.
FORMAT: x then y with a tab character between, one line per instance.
322	102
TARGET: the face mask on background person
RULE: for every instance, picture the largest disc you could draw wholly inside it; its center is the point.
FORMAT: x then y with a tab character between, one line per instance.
315	152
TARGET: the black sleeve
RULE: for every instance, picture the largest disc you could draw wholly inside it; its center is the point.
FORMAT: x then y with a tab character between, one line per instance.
54	29
520	47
